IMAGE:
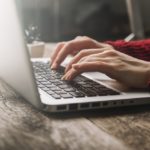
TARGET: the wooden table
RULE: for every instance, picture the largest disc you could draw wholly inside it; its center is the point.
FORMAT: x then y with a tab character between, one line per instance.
22	127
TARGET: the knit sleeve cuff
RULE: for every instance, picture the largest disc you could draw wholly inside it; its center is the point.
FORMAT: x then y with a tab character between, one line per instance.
116	44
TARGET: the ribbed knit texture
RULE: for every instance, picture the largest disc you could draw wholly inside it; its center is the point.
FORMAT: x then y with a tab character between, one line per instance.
138	49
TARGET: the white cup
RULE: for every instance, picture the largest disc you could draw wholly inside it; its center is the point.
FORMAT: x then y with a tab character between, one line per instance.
36	49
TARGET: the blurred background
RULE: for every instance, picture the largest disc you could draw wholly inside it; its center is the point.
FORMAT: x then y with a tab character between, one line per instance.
59	20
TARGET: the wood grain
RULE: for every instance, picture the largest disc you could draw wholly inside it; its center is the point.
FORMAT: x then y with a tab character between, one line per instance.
23	127
133	127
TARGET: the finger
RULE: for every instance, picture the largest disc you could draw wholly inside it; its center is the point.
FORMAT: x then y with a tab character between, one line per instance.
72	46
83	54
106	55
87	67
72	72
59	46
78	37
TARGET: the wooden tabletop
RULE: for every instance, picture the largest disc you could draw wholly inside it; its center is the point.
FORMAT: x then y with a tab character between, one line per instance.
22	127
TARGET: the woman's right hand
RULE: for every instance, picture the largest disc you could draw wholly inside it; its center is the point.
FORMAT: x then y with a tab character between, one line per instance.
72	47
128	70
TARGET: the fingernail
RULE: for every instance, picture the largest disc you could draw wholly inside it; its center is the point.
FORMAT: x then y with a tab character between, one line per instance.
66	70
63	78
54	66
51	64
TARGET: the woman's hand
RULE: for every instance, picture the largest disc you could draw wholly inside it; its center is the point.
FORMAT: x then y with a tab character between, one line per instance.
126	69
73	47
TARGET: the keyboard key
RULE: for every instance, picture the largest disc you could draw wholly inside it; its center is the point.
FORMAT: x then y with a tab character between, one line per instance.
82	83
45	89
41	86
55	89
89	92
79	79
69	89
113	93
38	83
77	94
63	86
56	96
50	86
66	96
57	83
49	78
53	81
38	77
60	92
87	86
44	82
50	92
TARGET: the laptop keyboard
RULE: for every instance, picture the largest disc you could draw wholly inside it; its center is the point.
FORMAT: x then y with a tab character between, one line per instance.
50	82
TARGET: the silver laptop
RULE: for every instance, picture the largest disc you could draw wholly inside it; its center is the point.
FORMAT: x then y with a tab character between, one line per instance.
43	88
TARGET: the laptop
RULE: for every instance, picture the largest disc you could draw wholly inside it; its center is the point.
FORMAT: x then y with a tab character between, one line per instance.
43	87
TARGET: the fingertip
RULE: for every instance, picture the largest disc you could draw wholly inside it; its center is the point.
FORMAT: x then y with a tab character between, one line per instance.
52	57
54	66
65	78
70	75
66	69
50	63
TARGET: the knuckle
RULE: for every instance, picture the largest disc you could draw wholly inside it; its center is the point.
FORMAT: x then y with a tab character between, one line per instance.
72	61
109	46
69	66
111	52
82	53
83	38
71	44
88	58
82	59
78	37
86	37
98	63
60	43
89	40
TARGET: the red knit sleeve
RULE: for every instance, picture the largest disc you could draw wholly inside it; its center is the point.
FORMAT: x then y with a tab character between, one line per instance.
139	49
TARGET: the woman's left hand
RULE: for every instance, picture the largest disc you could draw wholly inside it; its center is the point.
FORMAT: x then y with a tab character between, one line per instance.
126	69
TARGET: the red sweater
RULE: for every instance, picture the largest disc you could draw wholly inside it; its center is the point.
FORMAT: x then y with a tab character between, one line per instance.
139	49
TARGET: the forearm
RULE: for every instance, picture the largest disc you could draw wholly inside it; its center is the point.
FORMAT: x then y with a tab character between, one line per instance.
138	49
